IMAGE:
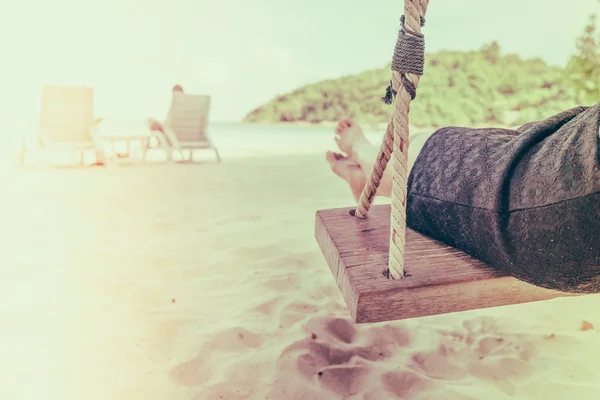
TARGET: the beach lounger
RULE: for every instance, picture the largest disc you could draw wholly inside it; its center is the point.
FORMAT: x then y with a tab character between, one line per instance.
66	122
186	125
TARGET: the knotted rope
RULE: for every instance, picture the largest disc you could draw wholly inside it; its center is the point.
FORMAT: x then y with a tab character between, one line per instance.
409	57
407	67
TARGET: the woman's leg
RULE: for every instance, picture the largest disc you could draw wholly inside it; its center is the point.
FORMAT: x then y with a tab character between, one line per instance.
348	170
352	141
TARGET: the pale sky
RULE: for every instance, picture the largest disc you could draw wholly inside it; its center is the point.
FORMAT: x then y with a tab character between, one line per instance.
242	52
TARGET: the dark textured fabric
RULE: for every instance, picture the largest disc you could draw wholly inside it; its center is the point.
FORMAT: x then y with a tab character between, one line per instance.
527	202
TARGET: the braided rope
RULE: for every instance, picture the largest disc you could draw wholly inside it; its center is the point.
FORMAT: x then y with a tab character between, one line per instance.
368	194
395	140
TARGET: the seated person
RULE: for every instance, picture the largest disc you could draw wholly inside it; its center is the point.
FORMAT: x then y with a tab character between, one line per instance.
525	201
155	125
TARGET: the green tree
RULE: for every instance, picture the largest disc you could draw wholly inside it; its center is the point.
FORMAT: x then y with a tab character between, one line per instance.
491	52
475	88
584	67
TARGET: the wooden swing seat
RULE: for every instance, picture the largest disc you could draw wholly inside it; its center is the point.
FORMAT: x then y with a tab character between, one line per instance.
439	279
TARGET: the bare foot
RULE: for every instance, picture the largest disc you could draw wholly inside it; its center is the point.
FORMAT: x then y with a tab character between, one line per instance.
348	170
350	136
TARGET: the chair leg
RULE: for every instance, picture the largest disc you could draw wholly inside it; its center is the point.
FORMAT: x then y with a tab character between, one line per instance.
144	146
166	147
141	148
217	154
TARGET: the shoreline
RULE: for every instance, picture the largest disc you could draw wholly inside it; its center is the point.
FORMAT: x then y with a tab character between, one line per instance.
367	127
325	124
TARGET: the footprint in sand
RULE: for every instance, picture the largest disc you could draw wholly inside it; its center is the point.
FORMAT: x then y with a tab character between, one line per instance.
344	380
232	342
242	382
270	307
291	313
283	283
478	348
328	291
337	356
295	312
405	384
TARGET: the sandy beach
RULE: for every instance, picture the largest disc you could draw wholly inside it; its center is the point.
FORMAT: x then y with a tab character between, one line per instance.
164	282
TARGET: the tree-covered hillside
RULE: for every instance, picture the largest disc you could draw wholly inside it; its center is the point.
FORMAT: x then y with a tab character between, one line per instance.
458	88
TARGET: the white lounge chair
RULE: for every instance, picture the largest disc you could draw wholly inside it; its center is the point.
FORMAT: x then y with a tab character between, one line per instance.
186	125
66	123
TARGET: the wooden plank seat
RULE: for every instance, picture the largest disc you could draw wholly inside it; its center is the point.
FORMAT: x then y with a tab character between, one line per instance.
439	279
